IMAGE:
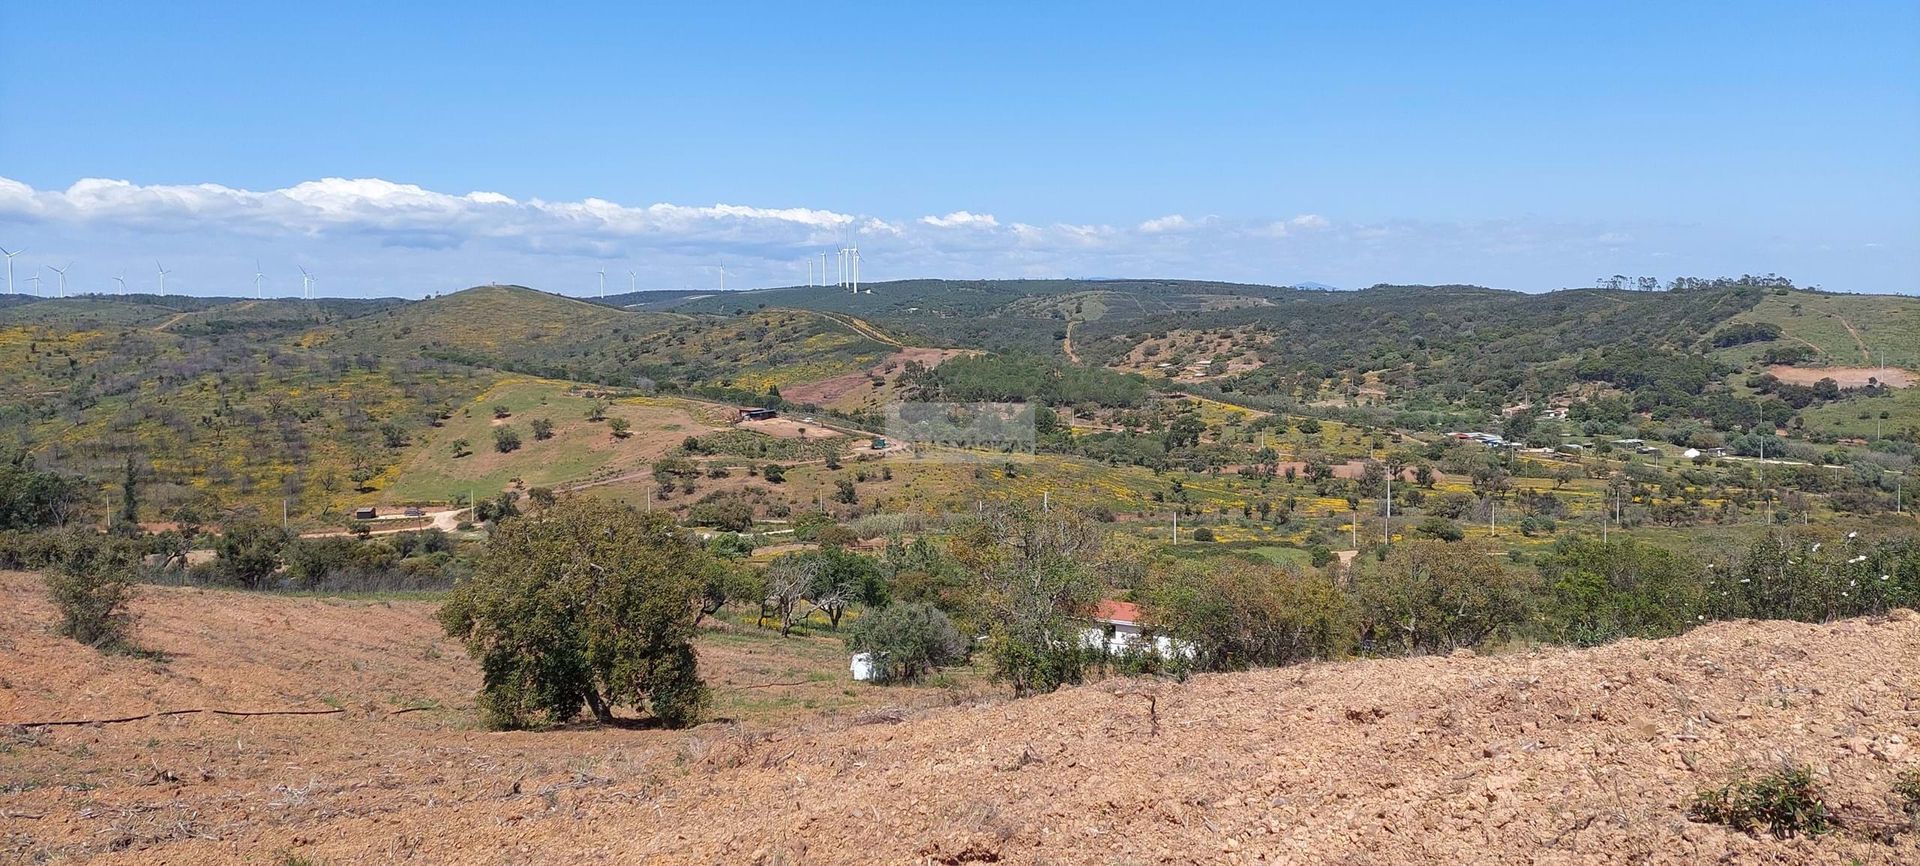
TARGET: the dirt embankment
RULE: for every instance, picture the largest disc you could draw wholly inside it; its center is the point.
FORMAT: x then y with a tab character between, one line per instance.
1548	757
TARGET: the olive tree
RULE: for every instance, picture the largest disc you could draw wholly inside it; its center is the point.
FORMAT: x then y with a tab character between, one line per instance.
1035	576
1235	615
1433	596
907	641
587	602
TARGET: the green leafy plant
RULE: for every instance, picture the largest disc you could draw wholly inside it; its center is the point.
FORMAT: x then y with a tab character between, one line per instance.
91	588
585	603
1906	790
1785	803
907	641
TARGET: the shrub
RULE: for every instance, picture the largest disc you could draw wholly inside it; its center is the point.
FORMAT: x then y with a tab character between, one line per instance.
1439	528
1435	596
907	641
542	428
505	439
1033	577
1906	790
1238	615
588	602
91	588
247	554
1599	591
1786	802
1203	534
774	473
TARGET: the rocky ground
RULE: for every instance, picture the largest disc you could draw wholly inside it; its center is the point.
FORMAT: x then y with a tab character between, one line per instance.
1546	757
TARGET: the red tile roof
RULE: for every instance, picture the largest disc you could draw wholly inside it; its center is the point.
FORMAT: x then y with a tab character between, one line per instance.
1114	610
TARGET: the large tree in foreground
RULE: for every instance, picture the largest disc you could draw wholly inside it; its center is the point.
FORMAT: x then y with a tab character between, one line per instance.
585	603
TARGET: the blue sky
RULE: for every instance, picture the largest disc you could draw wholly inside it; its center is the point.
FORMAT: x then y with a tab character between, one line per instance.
1526	146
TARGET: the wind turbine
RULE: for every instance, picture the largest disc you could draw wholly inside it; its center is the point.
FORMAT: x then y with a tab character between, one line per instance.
10	256
35	280
122	280
63	277
603	282
633	282
257	277
163	276
306	283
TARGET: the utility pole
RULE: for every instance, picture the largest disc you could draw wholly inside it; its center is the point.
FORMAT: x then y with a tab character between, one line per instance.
1176	526
1386	527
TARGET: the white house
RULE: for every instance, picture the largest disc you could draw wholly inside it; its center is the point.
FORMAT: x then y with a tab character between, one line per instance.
1117	629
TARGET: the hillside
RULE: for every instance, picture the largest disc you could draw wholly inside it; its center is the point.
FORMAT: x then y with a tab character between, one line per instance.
1548	757
1000	315
522	330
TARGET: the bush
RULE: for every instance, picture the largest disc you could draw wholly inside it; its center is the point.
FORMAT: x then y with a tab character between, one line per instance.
505	440
587	602
1203	534
1439	528
1034	576
91	587
248	554
542	429
1906	791
1435	596
907	641
1237	615
1786	802
1599	591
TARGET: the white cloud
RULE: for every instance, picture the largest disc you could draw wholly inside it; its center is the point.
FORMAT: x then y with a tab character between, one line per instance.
1169	223
962	219
373	236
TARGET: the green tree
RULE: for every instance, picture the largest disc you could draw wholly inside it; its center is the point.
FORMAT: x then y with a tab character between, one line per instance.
542	429
1235	616
586	603
249	553
129	516
1035	578
620	427
1432	596
505	440
1600	591
907	641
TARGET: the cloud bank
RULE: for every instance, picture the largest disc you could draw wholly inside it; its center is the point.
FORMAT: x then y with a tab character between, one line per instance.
371	236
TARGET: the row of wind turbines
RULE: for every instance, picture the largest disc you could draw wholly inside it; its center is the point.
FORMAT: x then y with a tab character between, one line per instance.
307	279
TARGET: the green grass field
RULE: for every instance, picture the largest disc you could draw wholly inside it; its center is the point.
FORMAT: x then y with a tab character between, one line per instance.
579	450
1846	329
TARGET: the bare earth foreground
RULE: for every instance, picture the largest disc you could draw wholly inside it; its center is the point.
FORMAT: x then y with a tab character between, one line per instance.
1549	757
